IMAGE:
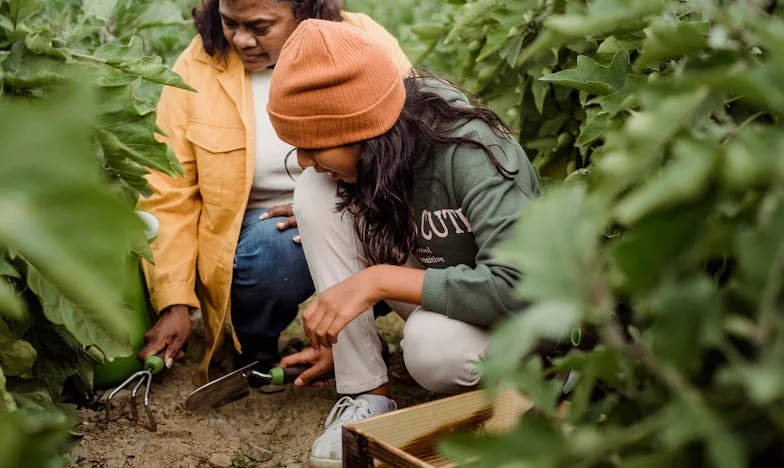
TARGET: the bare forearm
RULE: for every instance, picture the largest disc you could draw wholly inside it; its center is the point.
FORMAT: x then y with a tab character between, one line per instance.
396	283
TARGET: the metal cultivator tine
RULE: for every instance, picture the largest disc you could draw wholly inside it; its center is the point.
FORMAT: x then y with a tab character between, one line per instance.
152	365
114	392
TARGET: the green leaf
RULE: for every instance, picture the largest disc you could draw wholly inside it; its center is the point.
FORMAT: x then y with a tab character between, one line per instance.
594	128
655	245
130	59
626	97
671	39
535	441
605	17
683	180
7	403
752	158
678	310
593	77
88	327
85	237
11	305
760	251
556	244
101	9
727	449
515	338
19	10
16	356
539	89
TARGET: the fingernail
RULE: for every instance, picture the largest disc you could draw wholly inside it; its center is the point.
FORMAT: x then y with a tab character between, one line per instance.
169	362
297	239
299	382
280	225
264	216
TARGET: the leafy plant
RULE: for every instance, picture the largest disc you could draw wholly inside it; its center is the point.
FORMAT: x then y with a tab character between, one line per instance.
665	239
75	152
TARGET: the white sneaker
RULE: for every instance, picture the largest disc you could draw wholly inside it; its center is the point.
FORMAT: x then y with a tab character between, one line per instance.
327	450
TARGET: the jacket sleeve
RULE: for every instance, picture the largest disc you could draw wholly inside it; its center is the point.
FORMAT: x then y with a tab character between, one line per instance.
176	203
483	293
383	36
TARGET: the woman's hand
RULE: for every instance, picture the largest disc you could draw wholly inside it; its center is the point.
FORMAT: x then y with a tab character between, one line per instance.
170	332
320	359
286	211
335	307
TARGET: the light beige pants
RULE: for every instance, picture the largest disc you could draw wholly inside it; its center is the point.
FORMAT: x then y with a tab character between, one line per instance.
440	353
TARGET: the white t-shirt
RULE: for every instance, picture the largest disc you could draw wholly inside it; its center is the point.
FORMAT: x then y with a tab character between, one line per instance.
272	184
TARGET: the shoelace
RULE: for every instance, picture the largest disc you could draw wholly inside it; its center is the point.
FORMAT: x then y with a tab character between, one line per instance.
347	409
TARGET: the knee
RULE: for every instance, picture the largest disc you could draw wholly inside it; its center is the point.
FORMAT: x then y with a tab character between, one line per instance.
437	358
314	196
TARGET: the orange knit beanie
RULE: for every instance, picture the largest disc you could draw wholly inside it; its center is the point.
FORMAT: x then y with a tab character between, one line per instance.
333	85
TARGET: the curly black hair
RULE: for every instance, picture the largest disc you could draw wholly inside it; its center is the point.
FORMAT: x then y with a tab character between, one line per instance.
207	20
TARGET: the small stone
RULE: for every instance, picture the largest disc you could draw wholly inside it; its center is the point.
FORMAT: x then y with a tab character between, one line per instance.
220	460
258	454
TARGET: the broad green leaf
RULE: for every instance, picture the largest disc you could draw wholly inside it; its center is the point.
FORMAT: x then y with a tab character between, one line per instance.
752	159
85	237
40	42
593	77
760	253
11	305
7	403
161	13
594	128
101	9
677	311
131	59
16	356
555	243
535	441
727	449
19	10
88	327
539	89
655	244
23	71
429	31
664	116
626	97
605	17
517	337
683	180
668	39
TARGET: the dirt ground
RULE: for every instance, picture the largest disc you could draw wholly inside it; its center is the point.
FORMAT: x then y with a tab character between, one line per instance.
262	430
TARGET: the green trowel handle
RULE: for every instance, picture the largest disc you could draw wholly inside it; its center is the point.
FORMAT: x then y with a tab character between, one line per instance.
281	375
155	364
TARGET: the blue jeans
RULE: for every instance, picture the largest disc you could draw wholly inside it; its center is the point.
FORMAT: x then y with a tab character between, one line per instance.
271	279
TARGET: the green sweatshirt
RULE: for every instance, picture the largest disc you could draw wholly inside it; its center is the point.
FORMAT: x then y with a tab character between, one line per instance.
464	207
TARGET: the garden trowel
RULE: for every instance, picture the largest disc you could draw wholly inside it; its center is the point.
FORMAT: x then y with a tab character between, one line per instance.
235	385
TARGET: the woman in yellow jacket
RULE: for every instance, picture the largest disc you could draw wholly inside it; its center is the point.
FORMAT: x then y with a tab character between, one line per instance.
228	243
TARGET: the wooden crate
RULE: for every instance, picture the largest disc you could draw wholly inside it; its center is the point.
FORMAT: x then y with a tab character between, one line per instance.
409	437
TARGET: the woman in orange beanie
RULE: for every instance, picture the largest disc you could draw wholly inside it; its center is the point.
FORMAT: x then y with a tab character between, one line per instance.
226	227
408	190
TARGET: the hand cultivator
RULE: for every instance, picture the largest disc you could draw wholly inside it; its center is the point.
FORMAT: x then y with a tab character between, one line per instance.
152	365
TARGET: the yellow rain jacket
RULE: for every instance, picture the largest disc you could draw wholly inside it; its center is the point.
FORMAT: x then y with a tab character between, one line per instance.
212	132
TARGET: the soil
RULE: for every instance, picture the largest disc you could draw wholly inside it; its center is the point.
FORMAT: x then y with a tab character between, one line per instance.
261	430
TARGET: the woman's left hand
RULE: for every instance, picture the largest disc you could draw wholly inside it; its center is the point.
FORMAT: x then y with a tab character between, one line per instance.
335	307
289	222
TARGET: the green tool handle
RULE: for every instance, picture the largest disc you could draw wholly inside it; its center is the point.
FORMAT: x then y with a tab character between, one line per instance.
281	375
155	364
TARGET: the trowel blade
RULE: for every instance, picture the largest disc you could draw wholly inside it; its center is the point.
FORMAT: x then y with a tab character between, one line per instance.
231	387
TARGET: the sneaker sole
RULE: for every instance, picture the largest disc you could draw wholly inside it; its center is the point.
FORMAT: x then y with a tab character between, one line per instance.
325	463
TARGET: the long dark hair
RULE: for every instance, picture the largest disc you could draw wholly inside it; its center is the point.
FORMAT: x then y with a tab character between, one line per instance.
381	200
207	20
